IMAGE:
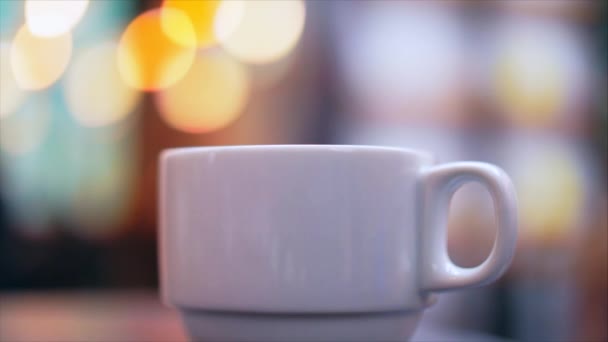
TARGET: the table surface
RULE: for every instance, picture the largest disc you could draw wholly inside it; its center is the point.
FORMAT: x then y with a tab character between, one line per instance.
124	316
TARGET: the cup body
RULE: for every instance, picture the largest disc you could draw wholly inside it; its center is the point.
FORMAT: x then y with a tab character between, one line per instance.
291	229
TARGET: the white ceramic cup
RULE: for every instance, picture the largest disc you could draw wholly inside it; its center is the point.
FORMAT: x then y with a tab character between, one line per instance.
309	230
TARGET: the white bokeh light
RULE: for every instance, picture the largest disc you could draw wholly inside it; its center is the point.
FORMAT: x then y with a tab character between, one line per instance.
50	18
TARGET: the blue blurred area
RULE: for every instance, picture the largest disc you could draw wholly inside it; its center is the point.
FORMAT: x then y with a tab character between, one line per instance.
11	16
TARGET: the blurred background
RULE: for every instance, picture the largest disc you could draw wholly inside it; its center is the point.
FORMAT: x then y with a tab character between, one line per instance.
92	91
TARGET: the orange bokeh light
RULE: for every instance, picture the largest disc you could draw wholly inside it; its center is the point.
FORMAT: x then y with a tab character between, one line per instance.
147	58
211	96
201	15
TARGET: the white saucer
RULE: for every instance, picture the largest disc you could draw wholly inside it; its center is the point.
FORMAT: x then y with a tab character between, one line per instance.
220	326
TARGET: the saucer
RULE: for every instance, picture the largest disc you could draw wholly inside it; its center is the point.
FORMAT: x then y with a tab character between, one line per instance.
224	326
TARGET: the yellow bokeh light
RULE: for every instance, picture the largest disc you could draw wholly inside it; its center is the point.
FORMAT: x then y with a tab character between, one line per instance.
550	190
24	131
95	92
11	96
530	86
209	97
39	62
50	18
201	15
540	72
147	58
259	32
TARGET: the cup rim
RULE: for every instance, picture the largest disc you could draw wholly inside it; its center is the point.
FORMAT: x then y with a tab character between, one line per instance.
198	150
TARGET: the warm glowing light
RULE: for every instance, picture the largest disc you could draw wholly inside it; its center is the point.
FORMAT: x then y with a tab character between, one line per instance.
95	92
259	31
50	18
550	189
24	131
38	62
201	15
11	96
530	85
209	97
541	73
147	58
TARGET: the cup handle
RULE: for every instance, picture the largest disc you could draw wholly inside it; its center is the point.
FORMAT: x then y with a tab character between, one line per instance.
438	185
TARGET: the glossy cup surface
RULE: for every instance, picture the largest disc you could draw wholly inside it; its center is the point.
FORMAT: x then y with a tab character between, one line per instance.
281	229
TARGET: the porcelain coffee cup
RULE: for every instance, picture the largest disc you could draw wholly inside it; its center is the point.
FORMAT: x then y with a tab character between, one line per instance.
255	235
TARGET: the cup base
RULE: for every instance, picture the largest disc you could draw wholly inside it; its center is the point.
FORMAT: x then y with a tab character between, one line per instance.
225	326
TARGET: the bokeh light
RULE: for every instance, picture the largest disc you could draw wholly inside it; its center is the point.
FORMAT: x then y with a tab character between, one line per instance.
550	190
551	178
95	92
24	131
39	62
530	84
201	15
11	96
209	97
147	58
259	31
50	18
539	74
405	61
